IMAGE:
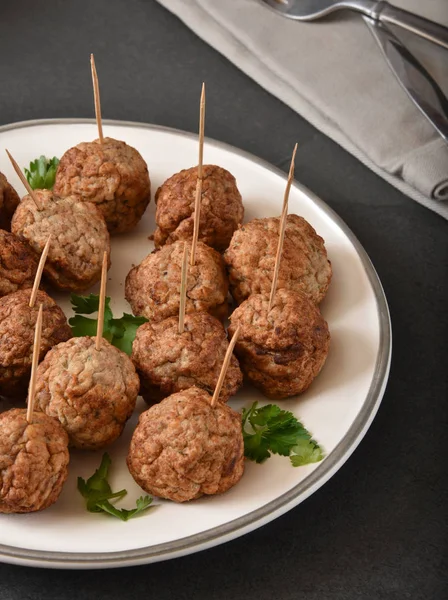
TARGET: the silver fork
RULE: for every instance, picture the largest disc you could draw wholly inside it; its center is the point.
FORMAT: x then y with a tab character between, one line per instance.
381	12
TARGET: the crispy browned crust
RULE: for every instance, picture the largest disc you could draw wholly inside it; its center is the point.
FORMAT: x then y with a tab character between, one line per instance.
221	207
92	392
17	324
33	461
153	287
281	351
250	259
79	238
9	200
18	264
168	361
111	175
183	448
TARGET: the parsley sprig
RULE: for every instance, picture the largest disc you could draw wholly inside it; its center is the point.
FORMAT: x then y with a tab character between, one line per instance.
119	332
270	430
98	493
42	173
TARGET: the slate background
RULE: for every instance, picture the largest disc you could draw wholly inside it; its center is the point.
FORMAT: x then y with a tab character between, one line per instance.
378	528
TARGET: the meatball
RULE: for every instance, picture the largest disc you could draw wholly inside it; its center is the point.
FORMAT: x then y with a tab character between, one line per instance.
33	461
168	361
183	447
92	392
283	350
18	264
80	238
112	175
17	324
153	287
221	207
250	259
9	200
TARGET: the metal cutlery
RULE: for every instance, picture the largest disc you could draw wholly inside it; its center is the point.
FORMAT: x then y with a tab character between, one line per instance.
381	12
419	85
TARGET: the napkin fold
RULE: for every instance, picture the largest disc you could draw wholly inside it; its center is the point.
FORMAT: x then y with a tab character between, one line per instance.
332	72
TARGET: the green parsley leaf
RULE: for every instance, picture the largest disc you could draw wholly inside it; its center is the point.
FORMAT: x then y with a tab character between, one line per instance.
141	504
119	332
270	429
42	173
123	331
97	493
86	305
305	453
97	489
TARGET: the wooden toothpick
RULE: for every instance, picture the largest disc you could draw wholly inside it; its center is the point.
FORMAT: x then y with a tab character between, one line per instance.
225	365
183	289
197	203
282	230
201	130
34	363
102	303
23	179
96	97
40	268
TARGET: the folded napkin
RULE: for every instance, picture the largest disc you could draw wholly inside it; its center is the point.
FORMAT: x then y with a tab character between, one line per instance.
333	73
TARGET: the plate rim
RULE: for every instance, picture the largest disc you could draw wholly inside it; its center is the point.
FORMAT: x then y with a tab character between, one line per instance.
270	511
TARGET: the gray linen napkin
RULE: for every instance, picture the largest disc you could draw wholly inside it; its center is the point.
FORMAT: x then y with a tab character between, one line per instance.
333	73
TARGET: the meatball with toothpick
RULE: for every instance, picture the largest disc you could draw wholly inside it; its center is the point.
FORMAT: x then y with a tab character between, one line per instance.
281	350
33	451
109	174
251	256
168	361
199	203
221	207
91	392
79	234
153	287
17	322
184	448
190	444
89	385
34	461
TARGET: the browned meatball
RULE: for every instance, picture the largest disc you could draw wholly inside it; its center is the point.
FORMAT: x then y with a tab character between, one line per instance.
221	207
112	175
168	361
9	200
17	324
18	264
92	392
283	350
153	287
183	447
79	238
33	461
250	259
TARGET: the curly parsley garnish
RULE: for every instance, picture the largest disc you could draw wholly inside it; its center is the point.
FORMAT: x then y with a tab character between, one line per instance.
270	430
97	493
42	173
119	332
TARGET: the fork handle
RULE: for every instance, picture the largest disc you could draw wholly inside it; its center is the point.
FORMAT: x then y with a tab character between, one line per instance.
386	13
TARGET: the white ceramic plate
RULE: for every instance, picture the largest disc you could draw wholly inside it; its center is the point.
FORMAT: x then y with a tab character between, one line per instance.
337	409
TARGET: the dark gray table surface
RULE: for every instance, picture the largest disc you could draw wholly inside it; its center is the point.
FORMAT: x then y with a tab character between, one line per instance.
377	529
